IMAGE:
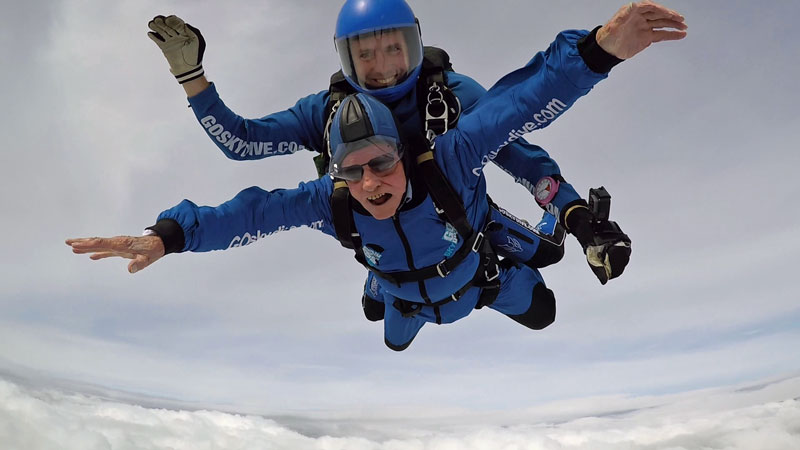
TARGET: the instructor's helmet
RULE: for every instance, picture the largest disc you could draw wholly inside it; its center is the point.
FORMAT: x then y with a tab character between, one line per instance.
380	47
360	122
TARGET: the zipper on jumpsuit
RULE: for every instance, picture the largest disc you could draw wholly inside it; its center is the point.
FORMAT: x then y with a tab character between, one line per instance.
410	261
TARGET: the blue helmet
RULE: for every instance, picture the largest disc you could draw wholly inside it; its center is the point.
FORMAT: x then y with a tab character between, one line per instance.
380	47
362	121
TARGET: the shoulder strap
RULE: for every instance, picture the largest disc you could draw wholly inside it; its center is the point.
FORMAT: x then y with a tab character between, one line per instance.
439	107
343	222
339	89
439	187
436	57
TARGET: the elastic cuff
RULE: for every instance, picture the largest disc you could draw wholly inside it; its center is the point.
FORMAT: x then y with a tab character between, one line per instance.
569	208
197	72
580	225
171	233
596	59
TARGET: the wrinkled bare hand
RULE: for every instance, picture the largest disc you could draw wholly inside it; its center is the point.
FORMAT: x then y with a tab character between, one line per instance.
143	250
637	25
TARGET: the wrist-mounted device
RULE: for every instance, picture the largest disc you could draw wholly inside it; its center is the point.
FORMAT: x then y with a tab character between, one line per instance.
545	190
600	207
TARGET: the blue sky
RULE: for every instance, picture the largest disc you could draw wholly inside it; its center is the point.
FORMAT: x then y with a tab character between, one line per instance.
696	140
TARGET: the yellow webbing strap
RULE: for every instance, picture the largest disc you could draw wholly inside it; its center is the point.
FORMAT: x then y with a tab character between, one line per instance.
427	156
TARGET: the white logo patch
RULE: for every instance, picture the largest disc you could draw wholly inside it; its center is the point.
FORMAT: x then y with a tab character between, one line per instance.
243	148
373	287
247	238
450	234
513	245
373	257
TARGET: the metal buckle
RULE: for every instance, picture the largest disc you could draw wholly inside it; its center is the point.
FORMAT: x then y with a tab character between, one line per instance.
328	124
478	241
492	277
430	135
439	268
436	97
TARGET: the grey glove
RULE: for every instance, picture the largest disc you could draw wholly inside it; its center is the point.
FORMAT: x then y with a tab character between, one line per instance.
182	44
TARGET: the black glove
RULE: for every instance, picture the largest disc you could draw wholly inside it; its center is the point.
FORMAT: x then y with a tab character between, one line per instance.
607	248
182	45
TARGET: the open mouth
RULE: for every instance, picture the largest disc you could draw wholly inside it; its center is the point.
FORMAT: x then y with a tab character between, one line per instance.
379	199
385	82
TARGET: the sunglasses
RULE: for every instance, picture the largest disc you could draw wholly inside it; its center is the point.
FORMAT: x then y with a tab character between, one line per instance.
379	165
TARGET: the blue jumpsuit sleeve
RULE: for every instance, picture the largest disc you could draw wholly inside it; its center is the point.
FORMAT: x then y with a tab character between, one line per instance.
526	162
253	214
297	128
523	101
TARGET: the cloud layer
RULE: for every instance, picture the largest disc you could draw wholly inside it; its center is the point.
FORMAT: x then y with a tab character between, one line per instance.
762	416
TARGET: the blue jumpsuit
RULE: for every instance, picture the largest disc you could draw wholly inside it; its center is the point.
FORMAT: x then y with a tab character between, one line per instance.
524	100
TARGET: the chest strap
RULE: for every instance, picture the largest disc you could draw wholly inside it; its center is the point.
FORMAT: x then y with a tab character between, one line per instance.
440	269
487	277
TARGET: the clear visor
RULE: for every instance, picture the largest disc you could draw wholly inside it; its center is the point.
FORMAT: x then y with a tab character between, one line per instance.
379	153
382	58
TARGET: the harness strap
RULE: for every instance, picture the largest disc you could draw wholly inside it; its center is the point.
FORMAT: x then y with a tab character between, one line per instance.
343	222
487	277
339	89
443	194
442	107
440	269
490	284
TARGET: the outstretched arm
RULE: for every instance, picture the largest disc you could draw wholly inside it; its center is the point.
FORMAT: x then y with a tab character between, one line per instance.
297	128
534	96
632	29
251	215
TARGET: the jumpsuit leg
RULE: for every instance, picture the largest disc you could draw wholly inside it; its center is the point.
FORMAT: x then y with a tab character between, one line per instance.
371	301
524	297
399	331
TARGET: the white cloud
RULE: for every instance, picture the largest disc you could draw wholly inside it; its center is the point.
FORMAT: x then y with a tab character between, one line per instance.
763	416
